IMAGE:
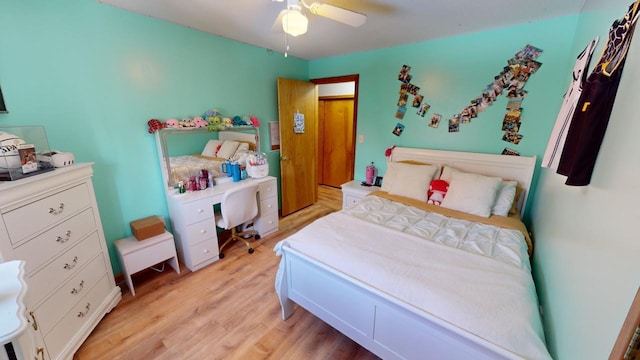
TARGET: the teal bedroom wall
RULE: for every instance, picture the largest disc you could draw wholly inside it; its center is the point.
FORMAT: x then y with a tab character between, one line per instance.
93	75
586	258
450	73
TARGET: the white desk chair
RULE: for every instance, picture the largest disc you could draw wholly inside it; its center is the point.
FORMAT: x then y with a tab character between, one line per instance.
239	205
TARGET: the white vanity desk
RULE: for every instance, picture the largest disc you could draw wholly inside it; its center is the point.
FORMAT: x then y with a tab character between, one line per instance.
193	222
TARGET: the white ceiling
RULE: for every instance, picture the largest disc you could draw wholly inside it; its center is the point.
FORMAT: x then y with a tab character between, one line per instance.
389	22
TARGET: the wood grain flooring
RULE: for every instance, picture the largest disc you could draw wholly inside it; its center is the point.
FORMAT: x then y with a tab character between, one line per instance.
228	310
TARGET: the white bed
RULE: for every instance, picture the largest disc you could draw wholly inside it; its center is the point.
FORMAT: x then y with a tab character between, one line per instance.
178	167
409	283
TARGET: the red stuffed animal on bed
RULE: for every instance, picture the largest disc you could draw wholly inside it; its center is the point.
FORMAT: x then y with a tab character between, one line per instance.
437	191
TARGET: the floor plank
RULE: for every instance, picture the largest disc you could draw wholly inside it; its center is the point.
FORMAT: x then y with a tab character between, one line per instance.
228	310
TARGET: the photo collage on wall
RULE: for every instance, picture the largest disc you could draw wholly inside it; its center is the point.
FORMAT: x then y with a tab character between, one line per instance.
417	102
510	82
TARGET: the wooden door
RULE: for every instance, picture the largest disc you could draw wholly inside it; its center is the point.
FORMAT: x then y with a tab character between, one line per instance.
336	141
298	151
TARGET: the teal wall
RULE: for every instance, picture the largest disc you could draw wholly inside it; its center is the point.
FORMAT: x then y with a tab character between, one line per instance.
587	247
451	72
93	75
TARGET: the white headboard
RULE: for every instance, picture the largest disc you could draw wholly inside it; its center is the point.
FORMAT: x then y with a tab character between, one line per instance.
518	168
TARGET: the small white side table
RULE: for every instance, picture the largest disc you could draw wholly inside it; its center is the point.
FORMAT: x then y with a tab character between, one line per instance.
353	192
137	255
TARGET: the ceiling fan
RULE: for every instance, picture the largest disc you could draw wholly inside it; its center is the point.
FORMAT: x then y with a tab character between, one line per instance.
294	22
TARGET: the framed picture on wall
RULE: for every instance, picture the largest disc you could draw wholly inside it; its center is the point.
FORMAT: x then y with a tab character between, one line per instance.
274	134
3	107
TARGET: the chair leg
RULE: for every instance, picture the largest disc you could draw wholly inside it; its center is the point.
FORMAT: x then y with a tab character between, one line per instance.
240	235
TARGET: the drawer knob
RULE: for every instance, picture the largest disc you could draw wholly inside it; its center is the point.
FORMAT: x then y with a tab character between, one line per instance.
206	251
73	264
58	210
269	206
63	240
203	231
33	321
80	287
200	211
270	222
82	314
39	353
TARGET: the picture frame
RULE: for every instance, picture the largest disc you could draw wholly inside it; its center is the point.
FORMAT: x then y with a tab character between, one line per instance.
274	135
3	106
378	181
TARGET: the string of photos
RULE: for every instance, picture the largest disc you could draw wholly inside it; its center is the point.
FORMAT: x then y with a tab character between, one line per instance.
510	81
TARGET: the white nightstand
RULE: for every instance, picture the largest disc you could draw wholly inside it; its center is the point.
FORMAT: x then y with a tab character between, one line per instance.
353	192
136	255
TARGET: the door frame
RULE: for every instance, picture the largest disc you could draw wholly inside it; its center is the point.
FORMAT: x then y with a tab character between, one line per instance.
355	78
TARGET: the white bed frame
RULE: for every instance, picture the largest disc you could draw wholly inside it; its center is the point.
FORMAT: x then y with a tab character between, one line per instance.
386	326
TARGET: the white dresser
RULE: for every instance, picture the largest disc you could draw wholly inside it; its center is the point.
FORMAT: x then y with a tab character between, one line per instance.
51	221
193	223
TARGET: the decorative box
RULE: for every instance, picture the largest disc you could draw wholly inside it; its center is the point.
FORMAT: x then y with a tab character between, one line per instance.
19	150
147	227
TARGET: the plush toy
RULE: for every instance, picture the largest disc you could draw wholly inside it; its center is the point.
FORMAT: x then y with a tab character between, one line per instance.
155	125
437	191
199	122
254	121
173	123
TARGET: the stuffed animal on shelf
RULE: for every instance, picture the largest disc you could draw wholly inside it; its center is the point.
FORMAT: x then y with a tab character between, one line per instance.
173	123
155	125
199	122
437	191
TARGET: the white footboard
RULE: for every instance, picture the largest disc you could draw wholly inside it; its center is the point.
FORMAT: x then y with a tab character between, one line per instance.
385	326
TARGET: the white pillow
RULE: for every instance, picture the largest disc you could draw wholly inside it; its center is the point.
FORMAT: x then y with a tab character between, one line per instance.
472	193
243	147
390	174
447	173
504	198
412	180
211	148
227	149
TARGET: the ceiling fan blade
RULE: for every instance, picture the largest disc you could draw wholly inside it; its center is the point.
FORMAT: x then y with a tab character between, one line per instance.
277	25
339	14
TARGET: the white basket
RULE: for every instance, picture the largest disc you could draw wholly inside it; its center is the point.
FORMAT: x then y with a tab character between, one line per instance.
258	171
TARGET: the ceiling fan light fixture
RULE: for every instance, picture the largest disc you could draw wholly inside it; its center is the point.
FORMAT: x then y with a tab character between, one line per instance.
294	22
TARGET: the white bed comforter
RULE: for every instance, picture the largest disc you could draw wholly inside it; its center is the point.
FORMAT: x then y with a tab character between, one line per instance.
415	256
188	165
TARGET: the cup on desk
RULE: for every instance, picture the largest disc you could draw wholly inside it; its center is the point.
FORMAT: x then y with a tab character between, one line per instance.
227	168
235	172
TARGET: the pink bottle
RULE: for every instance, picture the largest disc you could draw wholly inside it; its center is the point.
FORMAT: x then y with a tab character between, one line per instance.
371	174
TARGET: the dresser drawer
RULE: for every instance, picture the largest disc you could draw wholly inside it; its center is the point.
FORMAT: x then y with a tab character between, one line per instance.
204	251
56	240
197	211
51	311
55	273
268	206
201	231
36	216
76	318
268	189
266	224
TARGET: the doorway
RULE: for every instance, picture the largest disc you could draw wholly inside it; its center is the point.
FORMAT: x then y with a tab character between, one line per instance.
337	124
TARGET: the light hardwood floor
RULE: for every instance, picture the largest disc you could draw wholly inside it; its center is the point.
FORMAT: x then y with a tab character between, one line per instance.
228	310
